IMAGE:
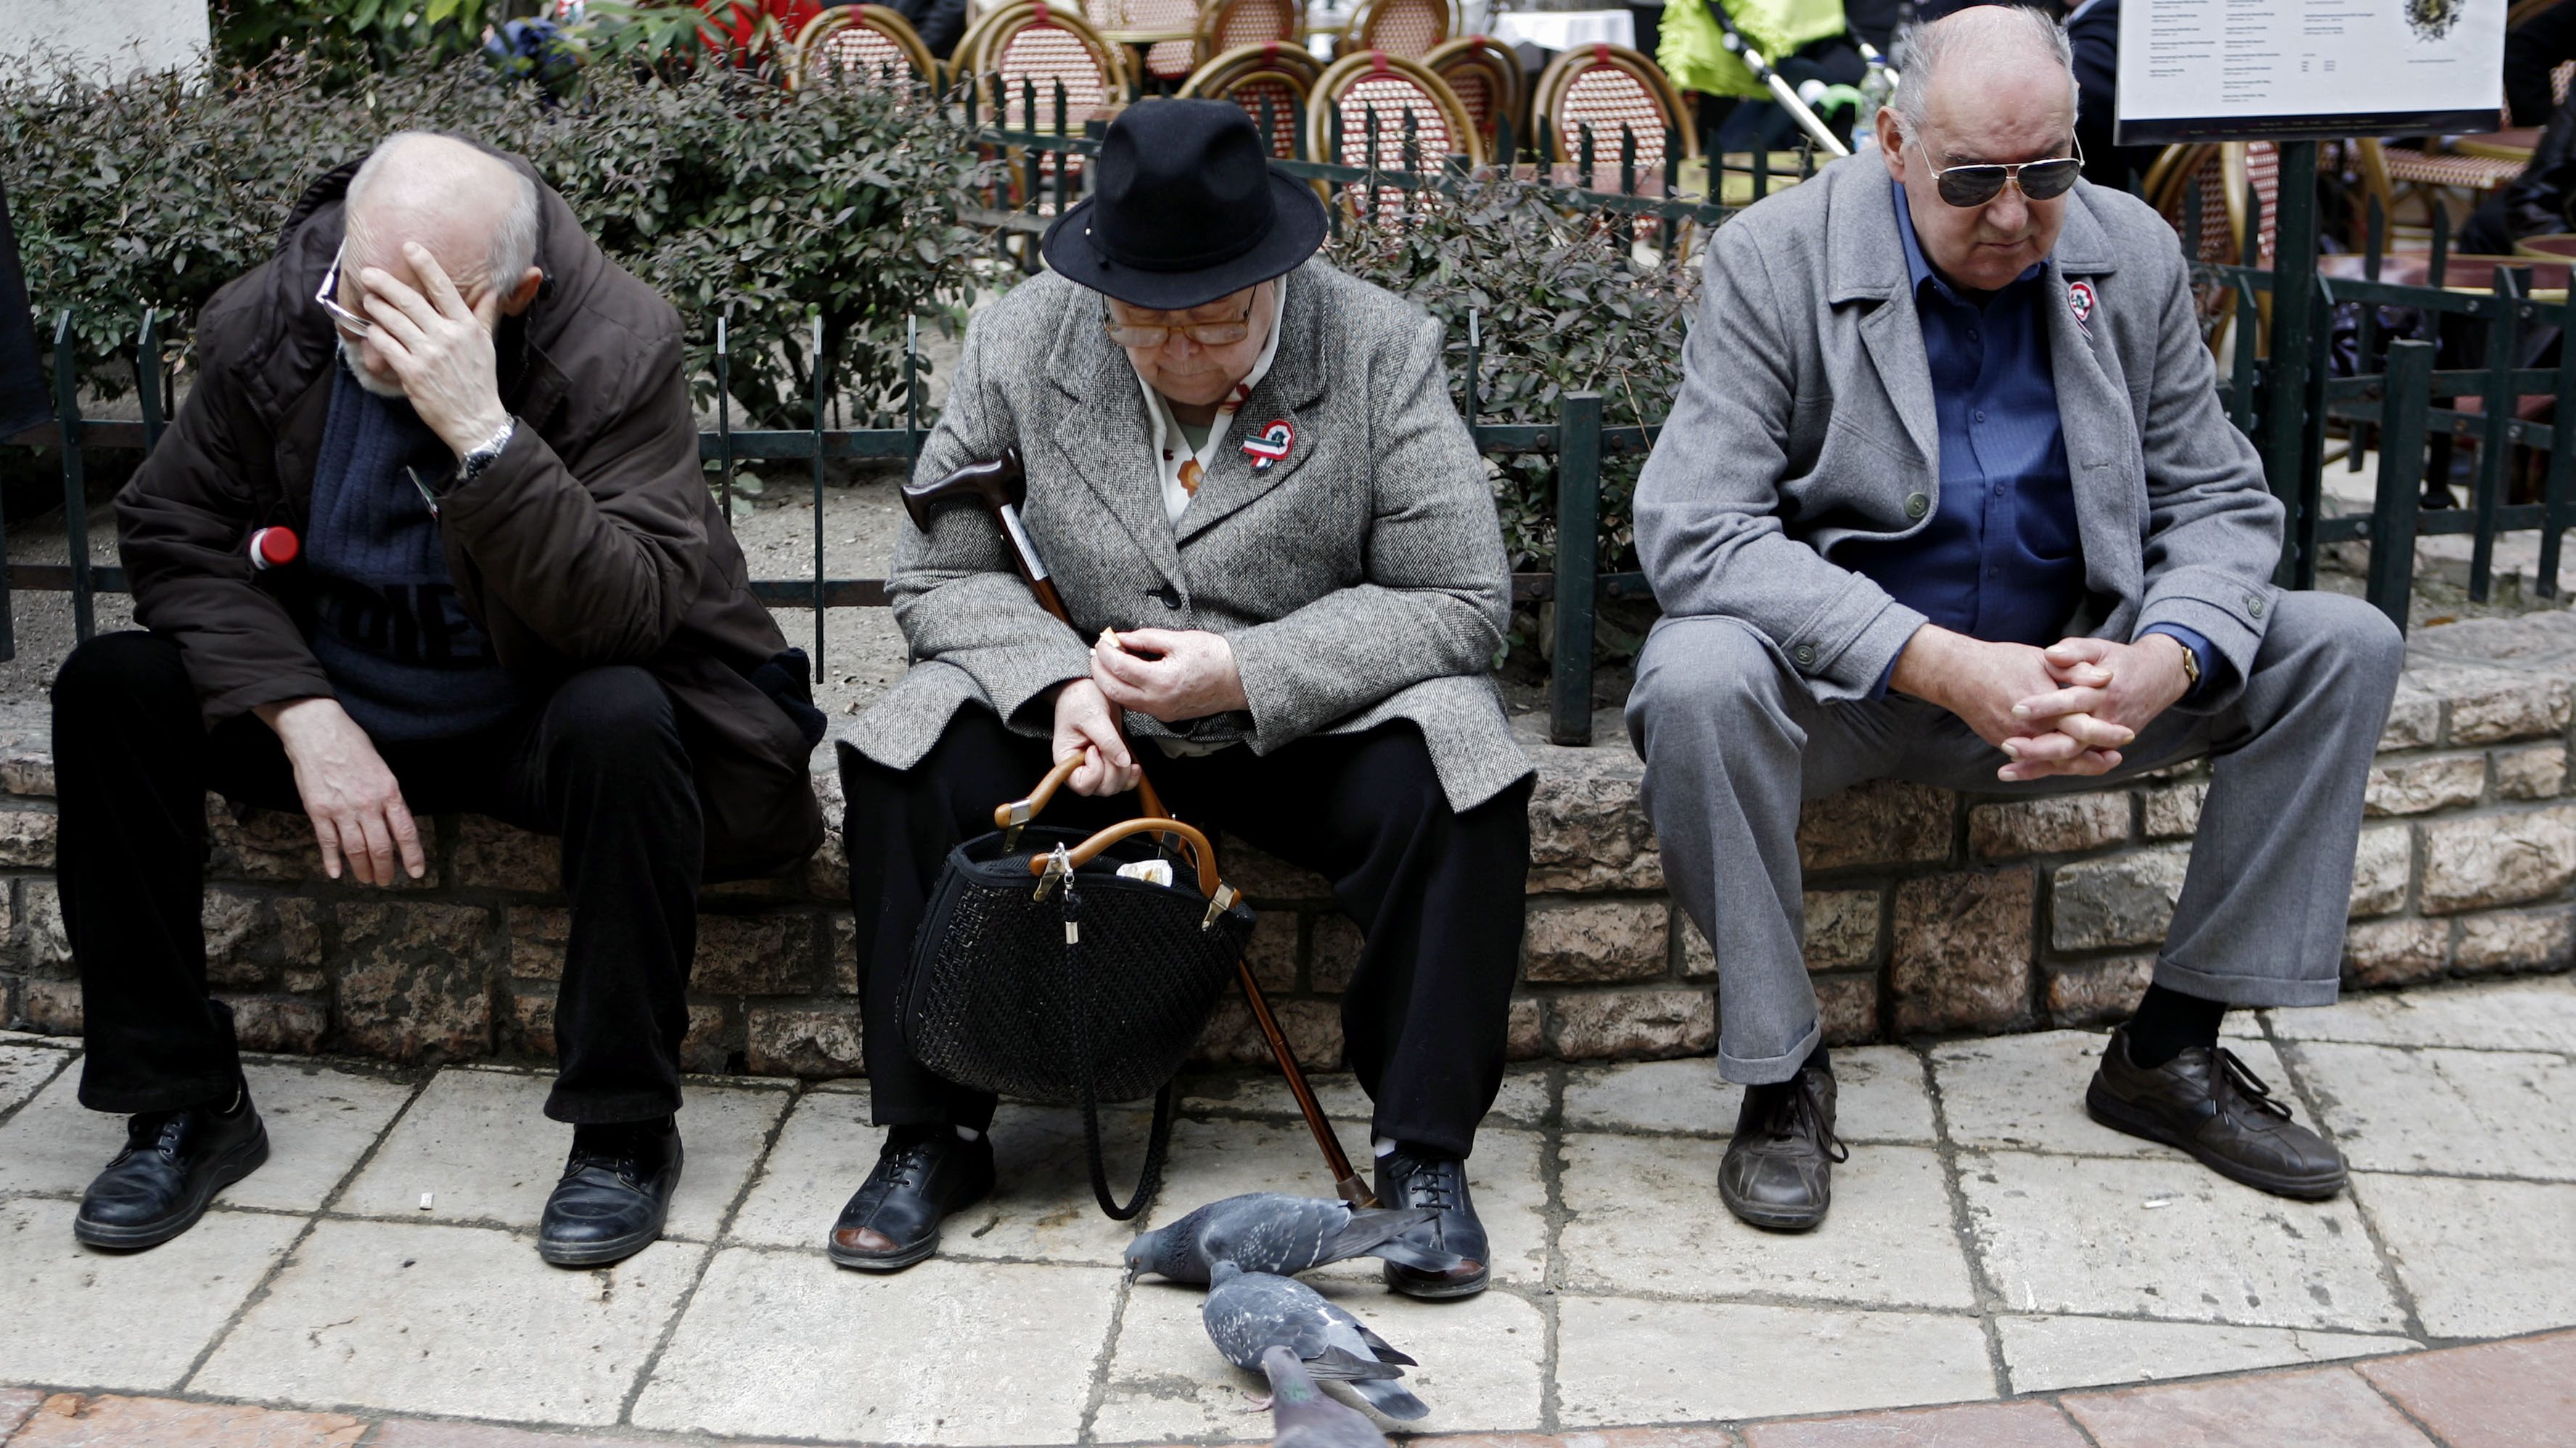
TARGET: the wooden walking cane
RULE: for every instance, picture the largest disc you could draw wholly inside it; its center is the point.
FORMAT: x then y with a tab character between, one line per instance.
1001	486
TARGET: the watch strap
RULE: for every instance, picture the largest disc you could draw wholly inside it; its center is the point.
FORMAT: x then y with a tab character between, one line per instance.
472	464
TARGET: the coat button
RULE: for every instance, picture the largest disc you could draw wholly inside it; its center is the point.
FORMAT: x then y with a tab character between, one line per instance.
1170	596
1804	655
2254	605
1917	504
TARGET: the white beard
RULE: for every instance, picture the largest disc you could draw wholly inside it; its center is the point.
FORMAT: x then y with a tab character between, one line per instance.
350	359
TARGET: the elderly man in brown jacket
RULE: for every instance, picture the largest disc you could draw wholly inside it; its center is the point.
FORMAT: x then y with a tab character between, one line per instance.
428	535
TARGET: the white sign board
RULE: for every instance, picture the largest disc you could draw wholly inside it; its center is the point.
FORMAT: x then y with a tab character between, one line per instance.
2199	70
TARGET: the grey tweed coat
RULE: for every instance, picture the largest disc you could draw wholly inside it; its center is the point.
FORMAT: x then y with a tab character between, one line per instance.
1361	579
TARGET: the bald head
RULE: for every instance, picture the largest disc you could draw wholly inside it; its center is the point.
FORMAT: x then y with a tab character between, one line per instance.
474	211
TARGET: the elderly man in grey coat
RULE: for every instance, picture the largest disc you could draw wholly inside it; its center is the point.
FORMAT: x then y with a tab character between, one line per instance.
1288	585
1947	496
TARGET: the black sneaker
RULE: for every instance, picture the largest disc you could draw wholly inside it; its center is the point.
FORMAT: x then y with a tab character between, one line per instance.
1779	1167
922	1175
614	1195
1407	1179
172	1165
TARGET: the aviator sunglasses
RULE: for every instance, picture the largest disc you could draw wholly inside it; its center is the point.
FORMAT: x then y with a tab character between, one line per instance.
1975	185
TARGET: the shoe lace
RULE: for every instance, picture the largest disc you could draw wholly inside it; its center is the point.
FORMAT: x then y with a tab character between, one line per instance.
904	1165
2247	1087
163	1131
1432	1184
1796	1111
622	1159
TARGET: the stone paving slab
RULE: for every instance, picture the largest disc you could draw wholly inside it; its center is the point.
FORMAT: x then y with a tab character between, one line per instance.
445	1147
779	1344
2334	1406
23	1072
1627	1360
1879	1096
1635	1224
2026	1093
2532	1015
2495	1395
421	1317
1983	1425
2459	1113
321	1120
70	1421
137	1323
2045	1354
2168	1239
2480	1258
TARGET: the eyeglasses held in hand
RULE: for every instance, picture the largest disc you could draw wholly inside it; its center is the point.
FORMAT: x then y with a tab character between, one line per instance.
351	324
1965	186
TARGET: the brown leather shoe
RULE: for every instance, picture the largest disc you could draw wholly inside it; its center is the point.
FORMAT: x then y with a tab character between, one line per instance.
2207	1103
1779	1167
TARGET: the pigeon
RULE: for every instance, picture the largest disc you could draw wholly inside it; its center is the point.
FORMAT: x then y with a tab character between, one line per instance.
1302	1416
1284	1235
1249	1312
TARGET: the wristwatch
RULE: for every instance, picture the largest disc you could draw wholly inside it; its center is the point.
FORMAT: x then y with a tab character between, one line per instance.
471	465
2190	667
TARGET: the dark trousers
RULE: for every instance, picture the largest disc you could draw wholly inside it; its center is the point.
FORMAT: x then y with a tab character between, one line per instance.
599	762
1437	895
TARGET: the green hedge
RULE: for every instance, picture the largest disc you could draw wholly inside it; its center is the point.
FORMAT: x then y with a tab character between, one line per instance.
718	188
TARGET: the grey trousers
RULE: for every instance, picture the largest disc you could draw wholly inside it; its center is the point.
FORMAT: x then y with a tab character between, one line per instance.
1734	742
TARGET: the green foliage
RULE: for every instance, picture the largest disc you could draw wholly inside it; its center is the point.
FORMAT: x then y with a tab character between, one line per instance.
1565	304
718	188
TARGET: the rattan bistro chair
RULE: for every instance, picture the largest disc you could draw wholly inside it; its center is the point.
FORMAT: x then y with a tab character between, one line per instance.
1406	29
1027	49
1227	25
1613	90
1418	122
1272	81
2220	174
1488	80
860	45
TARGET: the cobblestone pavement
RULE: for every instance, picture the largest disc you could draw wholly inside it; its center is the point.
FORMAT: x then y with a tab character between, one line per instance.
377	1282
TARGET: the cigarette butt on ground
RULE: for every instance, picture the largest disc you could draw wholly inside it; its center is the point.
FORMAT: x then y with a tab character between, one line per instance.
427	1199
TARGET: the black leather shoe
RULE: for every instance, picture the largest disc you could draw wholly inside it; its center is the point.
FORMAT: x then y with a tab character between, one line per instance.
2205	1102
1406	1180
1779	1168
614	1195
921	1176
172	1165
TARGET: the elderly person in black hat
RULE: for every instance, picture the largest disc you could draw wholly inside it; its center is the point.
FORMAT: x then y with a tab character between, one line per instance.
1288	585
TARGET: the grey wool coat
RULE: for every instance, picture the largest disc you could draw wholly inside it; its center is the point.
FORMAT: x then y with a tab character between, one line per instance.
1805	421
1361	579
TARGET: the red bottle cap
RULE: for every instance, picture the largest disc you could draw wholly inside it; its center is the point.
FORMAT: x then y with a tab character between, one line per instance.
272	547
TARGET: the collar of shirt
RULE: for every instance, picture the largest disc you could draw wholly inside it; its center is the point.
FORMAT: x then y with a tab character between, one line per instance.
1918	269
1171	452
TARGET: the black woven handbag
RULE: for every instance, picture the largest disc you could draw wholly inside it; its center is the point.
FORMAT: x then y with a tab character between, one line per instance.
1042	973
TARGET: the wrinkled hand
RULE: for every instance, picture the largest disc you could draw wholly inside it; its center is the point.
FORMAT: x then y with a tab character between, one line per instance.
2114	687
1168	674
1983	683
439	349
1086	725
353	800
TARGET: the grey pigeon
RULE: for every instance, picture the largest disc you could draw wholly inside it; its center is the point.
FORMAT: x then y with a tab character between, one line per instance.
1303	1416
1248	1313
1277	1233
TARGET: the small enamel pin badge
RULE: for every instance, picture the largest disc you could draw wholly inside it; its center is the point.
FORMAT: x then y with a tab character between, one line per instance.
1270	445
2080	300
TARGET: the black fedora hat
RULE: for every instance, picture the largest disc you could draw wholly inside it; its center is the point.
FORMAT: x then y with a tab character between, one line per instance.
1185	209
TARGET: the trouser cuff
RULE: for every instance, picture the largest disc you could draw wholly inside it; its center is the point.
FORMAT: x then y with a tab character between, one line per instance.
610	1108
1769	1070
2247	990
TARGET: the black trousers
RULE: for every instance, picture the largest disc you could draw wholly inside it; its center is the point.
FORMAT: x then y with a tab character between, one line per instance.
599	762
1437	895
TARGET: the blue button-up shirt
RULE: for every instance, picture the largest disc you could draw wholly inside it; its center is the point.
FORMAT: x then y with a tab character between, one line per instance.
2001	558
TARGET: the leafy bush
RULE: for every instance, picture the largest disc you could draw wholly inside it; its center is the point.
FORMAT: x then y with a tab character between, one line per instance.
1564	305
717	187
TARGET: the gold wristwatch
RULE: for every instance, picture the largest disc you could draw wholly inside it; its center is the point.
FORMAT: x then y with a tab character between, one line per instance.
2190	666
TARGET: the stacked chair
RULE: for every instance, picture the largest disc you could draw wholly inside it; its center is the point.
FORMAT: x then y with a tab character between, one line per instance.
1272	80
1487	79
859	45
1404	29
1417	122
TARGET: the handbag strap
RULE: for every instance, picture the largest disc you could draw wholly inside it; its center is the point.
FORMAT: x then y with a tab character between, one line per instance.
1086	1085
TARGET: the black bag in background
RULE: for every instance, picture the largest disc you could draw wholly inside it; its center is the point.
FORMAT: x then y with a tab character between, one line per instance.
1078	985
